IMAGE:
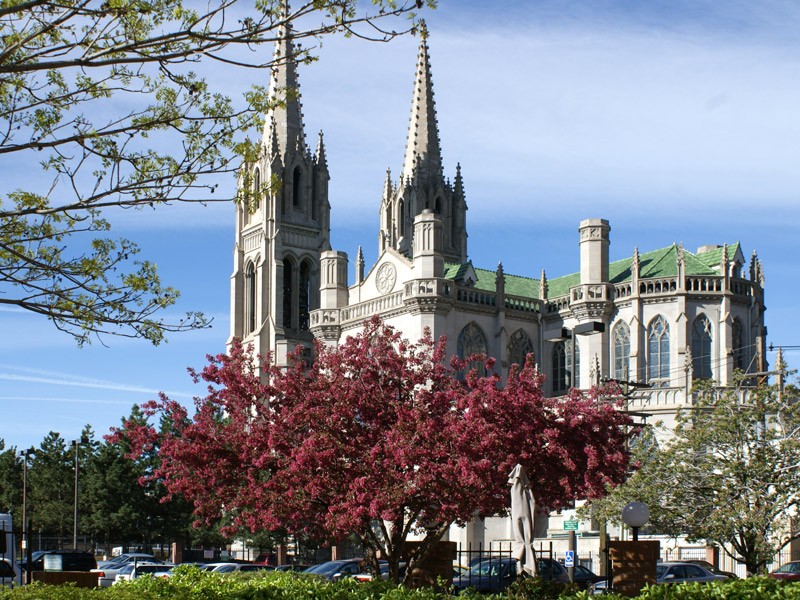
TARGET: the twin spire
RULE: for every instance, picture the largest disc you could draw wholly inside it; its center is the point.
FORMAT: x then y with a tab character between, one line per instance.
423	152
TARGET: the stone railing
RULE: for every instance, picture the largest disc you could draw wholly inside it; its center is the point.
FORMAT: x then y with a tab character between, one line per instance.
429	288
364	310
742	287
556	305
657	286
623	290
589	292
521	304
705	284
324	316
470	295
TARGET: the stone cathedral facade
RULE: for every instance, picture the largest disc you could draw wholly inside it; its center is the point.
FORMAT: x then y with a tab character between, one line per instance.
669	315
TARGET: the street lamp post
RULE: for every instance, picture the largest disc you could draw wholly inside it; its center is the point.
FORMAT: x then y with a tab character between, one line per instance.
635	515
76	444
26	549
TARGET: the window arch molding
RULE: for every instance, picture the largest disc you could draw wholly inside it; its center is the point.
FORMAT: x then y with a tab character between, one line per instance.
701	348
519	346
472	340
621	350
250	297
658	351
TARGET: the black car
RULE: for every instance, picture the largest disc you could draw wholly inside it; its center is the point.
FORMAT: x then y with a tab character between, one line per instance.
60	560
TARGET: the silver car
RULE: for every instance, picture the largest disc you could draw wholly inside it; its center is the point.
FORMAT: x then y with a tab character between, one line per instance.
672	572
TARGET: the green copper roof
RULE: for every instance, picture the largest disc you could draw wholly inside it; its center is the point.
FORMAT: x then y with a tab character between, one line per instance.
656	263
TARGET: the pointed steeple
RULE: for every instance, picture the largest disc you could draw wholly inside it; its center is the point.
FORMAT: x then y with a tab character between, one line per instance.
359	266
320	157
285	121
423	153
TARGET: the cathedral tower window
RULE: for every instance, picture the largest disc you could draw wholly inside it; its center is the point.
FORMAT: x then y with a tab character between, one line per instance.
739	355
471	341
621	341
297	187
304	303
250	298
288	285
402	218
658	351
701	348
519	346
437	206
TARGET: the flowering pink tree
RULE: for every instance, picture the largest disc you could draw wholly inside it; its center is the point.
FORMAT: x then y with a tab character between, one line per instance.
377	438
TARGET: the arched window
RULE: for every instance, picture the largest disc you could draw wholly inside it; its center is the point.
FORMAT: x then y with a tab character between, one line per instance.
621	343
701	348
297	187
250	298
437	206
288	284
453	221
739	352
658	351
401	215
471	341
257	184
560	383
304	290
519	346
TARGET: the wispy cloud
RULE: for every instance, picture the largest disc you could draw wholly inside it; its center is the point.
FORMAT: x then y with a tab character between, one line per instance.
33	375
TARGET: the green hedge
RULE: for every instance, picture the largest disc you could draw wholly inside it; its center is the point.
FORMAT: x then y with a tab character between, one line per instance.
194	585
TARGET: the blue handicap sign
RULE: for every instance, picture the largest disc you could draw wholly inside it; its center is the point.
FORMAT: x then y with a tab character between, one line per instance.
569	558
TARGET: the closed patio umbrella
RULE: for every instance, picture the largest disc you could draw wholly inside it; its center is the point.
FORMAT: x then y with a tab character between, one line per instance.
523	508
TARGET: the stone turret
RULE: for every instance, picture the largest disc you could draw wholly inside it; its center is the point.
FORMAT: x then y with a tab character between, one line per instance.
428	242
594	250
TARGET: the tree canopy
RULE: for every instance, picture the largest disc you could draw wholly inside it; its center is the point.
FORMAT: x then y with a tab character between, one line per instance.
377	438
729	475
109	105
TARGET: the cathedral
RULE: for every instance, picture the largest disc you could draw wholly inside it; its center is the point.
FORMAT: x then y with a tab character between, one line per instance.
658	320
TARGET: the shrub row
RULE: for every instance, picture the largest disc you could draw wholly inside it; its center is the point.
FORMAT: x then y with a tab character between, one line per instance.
194	585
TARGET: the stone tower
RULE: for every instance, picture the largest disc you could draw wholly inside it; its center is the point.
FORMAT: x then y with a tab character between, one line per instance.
422	185
282	224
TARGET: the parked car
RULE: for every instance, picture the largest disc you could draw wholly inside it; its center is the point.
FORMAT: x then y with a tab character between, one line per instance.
66	560
707	565
674	573
108	569
292	567
336	569
488	576
232	567
789	571
9	573
366	574
135	570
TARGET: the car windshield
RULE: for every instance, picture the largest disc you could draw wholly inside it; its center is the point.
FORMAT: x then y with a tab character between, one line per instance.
126	569
487	568
329	567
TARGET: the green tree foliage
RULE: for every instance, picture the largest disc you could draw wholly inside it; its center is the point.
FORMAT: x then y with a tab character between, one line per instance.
50	487
10	481
119	104
730	475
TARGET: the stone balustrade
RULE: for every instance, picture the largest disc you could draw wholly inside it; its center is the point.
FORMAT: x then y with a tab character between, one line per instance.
364	310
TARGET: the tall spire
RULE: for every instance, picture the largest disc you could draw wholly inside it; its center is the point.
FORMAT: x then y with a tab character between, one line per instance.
422	146
285	121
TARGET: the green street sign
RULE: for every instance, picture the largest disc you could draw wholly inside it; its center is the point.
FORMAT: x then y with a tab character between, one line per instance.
571	525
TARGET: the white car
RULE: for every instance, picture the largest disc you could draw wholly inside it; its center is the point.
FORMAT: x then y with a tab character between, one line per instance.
108	569
10	573
236	567
133	571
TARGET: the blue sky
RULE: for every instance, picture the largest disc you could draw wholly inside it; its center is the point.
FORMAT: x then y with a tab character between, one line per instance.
677	121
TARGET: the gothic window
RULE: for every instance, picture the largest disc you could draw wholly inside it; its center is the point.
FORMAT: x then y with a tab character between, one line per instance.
402	218
305	294
297	187
519	346
559	368
314	199
621	341
701	348
471	341
453	221
250	298
739	357
562	366
437	206
288	279
658	351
